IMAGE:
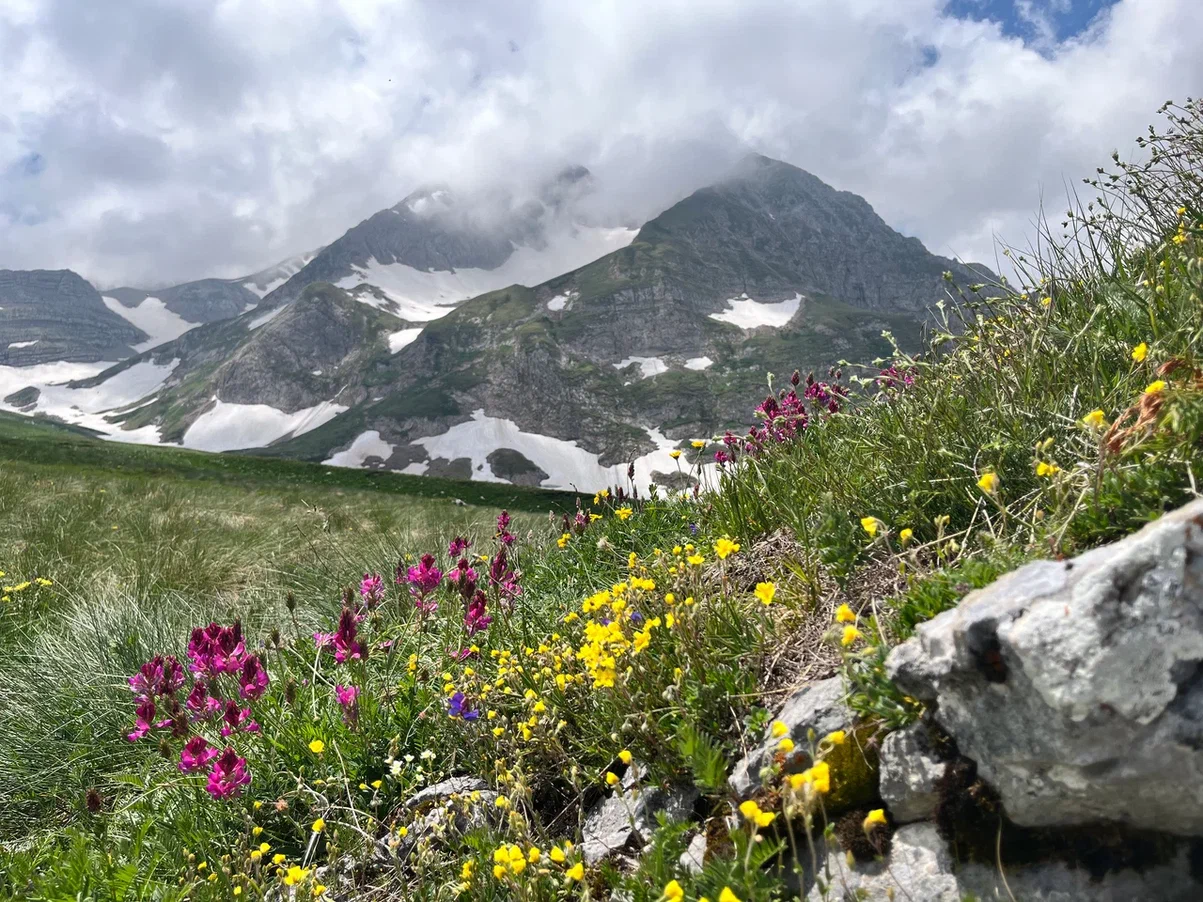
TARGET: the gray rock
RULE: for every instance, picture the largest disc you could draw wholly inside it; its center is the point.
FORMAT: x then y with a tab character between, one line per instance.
444	790
819	706
624	822
438	811
908	775
693	859
1077	686
921	869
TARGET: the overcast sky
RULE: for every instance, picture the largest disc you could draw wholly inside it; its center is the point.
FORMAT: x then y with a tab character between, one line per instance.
149	142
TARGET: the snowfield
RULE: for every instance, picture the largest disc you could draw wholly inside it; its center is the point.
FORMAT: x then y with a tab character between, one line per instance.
698	363
420	296
567	465
367	444
229	427
87	406
648	366
398	340
751	314
265	318
152	317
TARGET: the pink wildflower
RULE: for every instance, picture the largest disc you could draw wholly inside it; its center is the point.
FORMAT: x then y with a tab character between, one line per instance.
237	720
158	676
344	642
252	679
371	589
348	697
463	578
476	618
202	705
458	546
144	719
197	753
228	775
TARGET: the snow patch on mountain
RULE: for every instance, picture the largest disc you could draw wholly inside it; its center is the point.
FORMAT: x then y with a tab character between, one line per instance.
87	407
648	366
698	363
751	314
567	465
152	317
265	318
398	340
229	427
421	296
23	344
367	444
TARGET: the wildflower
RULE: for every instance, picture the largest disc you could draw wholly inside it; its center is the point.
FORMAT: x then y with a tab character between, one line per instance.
1046	301
611	778
876	817
1154	387
459	545
850	635
228	775
196	754
905	536
786	745
534	854
1140	352
371	589
144	720
727	896
817	777
765	592
319	825
576	872
162	675
317	746
725	547
556	854
343	641
1096	419
424	578
562	541
870	525
988	482
459	706
463	578
845	614
1047	470
348	698
695	560
319	889
673	892
252	679
623	513
237	720
752	812
836	737
476	619
674	453
295	875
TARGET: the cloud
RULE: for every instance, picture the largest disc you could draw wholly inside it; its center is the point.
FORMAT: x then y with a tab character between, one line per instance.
152	141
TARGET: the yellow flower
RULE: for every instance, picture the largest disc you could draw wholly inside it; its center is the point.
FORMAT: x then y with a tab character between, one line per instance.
1154	387
835	738
279	858
875	817
727	896
725	547
295	875
869	525
534	854
673	892
1140	352
1047	470
752	812
1096	419
611	778
817	777
698	443
623	513
563	540
778	729
264	848
765	592
576	872
696	560
988	482
905	536
499	871
844	614
1046	300
624	756
674	453
238	891
556	854
785	745
317	746
851	634
319	889
319	825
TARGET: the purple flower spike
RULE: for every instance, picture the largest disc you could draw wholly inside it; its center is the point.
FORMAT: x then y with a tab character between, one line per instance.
196	755
228	775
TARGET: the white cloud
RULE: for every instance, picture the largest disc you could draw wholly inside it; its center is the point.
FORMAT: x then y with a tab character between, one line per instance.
151	141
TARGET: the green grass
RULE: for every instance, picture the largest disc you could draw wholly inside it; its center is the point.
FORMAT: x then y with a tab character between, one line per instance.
566	678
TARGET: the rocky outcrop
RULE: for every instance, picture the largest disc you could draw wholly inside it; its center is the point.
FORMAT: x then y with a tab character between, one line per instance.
910	770
203	301
1077	686
55	315
622	823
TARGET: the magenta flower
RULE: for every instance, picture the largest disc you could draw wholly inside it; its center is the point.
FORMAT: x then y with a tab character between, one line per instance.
425	577
463	578
371	589
252	679
216	649
228	775
348	697
458	546
460	655
196	755
344	642
202	705
158	676
237	720
144	719
476	619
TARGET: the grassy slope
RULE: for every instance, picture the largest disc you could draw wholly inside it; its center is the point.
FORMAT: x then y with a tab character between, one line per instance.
986	401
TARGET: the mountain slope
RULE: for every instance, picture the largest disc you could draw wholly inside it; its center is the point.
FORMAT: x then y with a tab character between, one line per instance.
49	315
663	340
